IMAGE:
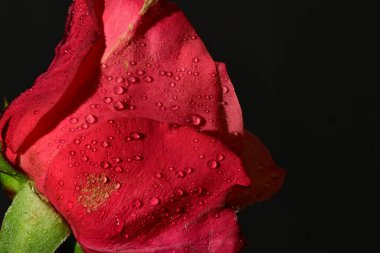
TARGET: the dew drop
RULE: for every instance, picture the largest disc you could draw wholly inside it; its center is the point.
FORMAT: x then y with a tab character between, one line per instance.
74	120
213	164
180	174
119	106
116	160
105	144
60	182
136	136
136	203
70	205
138	158
132	79
159	175
174	107
105	179
77	141
119	90
195	120
178	192
148	79
91	119
220	157
140	72
117	186
105	165
189	170
154	201
118	169
120	79
225	89
107	100
196	60
84	158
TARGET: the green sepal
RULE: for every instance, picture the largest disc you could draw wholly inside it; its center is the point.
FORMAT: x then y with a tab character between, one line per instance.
11	180
32	225
5	103
78	248
147	5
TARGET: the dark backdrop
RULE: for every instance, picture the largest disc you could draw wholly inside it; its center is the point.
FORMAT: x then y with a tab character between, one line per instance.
300	71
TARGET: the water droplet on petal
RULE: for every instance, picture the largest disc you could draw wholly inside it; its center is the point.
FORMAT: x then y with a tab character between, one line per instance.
136	203
154	201
116	160
189	170
180	174
178	192
138	158
195	120
120	79
70	205
195	60
119	106
220	157
140	72
74	120
105	179
117	186
105	144
119	90
148	79
107	100
136	136
213	164
132	79
91	119
158	175
105	165
77	141
174	107
225	89
60	182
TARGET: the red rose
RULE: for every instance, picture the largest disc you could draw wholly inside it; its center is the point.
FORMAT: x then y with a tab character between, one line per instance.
135	134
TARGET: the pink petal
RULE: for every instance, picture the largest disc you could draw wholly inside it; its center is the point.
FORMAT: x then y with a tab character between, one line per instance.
130	183
266	177
37	110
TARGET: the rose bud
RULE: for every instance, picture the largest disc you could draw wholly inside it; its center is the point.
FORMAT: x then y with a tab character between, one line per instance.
135	134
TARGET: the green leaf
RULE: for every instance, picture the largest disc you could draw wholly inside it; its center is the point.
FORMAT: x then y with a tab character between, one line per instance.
31	225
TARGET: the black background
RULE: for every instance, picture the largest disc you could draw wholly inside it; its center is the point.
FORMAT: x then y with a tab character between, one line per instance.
301	72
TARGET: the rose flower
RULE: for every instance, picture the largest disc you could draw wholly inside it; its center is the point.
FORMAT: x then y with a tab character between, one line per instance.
135	135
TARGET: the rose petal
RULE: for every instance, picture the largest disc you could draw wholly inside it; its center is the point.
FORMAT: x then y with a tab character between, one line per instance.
36	110
231	129
266	177
132	84
231	106
207	234
159	69
130	182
